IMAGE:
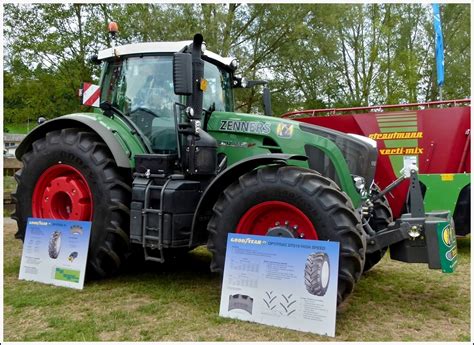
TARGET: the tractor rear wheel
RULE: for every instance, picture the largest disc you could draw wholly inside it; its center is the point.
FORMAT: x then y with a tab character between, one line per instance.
70	174
293	202
381	217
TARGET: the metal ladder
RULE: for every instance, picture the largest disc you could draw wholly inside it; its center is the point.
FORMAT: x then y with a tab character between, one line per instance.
151	242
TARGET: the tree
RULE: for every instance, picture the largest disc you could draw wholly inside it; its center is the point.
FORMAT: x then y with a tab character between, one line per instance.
314	55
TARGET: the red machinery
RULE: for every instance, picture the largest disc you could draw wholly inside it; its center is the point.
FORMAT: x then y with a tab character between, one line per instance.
437	133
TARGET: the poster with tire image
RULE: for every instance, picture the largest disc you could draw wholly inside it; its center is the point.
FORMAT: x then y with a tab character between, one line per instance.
284	282
55	252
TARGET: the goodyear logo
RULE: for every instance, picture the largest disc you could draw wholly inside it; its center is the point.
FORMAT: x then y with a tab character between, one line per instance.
247	241
254	127
38	222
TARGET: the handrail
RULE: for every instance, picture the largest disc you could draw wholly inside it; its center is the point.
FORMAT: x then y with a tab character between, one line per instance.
333	111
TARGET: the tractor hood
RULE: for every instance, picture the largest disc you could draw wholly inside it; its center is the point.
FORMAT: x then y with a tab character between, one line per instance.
330	152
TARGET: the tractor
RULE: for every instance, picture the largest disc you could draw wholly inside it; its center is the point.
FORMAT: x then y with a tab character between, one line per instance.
166	165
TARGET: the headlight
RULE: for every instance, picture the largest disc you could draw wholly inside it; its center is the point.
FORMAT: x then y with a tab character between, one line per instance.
359	182
234	64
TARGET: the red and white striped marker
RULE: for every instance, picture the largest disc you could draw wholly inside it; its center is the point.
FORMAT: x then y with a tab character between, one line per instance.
90	95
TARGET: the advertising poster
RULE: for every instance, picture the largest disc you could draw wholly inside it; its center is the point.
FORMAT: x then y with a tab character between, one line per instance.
55	252
284	282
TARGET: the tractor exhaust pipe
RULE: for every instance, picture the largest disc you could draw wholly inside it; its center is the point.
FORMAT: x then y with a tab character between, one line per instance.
198	77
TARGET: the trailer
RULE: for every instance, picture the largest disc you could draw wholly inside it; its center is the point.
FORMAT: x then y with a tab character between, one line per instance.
437	134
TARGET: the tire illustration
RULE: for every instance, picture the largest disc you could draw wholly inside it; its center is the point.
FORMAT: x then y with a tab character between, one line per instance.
242	302
292	202
317	274
381	217
72	256
70	174
54	245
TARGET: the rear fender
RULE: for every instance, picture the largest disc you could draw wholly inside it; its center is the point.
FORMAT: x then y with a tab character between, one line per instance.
224	179
116	135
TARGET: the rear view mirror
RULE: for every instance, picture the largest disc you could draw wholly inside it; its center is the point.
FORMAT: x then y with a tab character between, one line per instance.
182	74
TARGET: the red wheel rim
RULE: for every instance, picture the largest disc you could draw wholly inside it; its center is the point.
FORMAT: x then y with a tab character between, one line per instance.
261	218
62	192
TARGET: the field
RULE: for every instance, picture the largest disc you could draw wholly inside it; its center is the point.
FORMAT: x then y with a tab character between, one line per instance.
180	301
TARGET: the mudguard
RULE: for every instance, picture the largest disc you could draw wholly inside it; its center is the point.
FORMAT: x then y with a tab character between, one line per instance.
224	179
117	137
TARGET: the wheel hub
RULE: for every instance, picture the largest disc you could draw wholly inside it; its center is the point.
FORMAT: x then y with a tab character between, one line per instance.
281	231
276	218
62	192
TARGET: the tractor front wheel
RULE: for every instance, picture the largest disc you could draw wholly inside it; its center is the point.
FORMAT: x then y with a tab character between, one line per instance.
70	174
292	202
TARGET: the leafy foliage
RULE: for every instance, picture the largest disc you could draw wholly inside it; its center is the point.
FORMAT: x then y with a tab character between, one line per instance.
315	55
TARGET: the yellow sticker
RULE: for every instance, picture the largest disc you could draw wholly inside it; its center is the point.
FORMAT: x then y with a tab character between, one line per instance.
447	177
203	85
284	130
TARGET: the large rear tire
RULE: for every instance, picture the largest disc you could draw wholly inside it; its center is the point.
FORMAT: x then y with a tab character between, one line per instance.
283	197
70	174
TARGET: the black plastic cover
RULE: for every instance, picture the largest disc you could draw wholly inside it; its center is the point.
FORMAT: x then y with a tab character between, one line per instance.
182	74
156	163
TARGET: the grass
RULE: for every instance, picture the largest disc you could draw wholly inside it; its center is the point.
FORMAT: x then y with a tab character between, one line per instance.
9	186
180	301
19	128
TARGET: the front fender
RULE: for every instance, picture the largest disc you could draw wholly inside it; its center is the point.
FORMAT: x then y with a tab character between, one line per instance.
224	179
115	133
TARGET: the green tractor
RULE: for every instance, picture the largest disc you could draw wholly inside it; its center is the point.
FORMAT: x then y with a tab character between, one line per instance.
166	165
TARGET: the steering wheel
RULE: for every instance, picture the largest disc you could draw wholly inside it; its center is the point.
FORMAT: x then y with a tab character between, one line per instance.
145	110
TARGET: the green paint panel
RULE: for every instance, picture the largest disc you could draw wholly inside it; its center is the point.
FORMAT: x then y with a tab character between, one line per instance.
392	124
398	129
238	143
401	143
397	163
448	250
443	195
394	119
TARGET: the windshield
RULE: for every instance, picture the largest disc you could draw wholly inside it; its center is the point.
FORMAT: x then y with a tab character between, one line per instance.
142	88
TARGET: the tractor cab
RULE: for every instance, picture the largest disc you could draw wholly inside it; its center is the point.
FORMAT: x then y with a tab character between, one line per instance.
138	80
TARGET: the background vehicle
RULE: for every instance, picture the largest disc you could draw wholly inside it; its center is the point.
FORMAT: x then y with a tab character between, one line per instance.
167	165
438	135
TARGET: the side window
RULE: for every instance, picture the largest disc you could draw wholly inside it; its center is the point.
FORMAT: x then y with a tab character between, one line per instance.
213	97
109	81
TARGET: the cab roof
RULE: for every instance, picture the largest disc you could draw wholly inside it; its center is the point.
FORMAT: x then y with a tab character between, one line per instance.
157	47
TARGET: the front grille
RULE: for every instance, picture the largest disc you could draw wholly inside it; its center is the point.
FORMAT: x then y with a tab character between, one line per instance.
360	156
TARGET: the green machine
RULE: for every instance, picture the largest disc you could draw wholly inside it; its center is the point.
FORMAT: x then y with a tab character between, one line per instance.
166	165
